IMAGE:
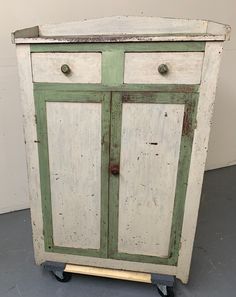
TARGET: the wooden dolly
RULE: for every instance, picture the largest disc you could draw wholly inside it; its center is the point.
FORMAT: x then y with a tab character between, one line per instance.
63	273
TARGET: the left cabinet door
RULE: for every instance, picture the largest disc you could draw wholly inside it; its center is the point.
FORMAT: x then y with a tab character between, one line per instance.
73	144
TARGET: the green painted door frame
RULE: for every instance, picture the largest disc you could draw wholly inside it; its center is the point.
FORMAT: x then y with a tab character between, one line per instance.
190	102
111	139
41	98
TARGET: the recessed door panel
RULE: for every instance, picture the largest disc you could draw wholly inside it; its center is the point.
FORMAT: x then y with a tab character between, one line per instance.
74	145
151	142
150	146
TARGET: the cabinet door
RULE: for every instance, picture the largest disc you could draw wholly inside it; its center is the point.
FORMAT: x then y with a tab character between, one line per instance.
73	143
151	142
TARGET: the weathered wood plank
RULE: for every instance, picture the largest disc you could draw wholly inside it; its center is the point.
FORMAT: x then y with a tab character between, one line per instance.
109	273
30	134
150	145
125	28
199	151
74	144
32	32
169	88
124	25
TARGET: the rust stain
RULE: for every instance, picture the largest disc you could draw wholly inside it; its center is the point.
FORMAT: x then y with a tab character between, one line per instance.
185	89
187	126
125	97
114	169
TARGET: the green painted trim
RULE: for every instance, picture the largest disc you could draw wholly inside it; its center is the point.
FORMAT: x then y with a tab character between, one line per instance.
188	46
109	241
105	159
40	108
123	87
115	141
142	258
67	96
182	178
41	97
112	67
78	251
154	97
190	102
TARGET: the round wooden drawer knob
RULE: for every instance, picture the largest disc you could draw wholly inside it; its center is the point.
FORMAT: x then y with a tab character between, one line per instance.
163	69
65	69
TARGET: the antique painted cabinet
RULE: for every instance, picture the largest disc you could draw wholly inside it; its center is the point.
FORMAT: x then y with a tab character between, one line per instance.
117	115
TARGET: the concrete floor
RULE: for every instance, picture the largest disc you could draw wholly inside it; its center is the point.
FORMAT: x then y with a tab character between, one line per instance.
213	272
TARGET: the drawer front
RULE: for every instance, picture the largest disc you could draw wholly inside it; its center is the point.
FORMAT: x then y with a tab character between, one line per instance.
82	67
182	68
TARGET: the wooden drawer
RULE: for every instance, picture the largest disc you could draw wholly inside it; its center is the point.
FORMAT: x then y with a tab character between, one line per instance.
183	68
83	67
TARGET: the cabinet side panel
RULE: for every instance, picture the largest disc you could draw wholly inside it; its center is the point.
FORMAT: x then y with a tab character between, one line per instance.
150	146
210	71
28	108
74	143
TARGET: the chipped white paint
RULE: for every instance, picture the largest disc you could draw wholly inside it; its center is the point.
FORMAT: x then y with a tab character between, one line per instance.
154	28
184	68
122	38
199	151
150	145
74	145
85	67
124	25
27	101
217	28
171	30
24	66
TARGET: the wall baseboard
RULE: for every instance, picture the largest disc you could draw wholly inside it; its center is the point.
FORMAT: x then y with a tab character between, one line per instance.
15	207
213	167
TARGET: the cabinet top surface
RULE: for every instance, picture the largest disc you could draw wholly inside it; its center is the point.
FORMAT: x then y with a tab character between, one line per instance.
124	29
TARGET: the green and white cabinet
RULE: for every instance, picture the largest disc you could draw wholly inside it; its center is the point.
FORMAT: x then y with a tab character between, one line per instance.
117	116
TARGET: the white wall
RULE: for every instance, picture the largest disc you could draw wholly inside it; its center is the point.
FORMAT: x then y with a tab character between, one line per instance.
19	14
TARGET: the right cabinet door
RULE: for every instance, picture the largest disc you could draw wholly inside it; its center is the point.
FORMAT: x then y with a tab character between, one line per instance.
151	143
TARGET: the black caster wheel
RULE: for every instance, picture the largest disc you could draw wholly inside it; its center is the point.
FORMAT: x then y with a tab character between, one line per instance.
62	276
165	291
